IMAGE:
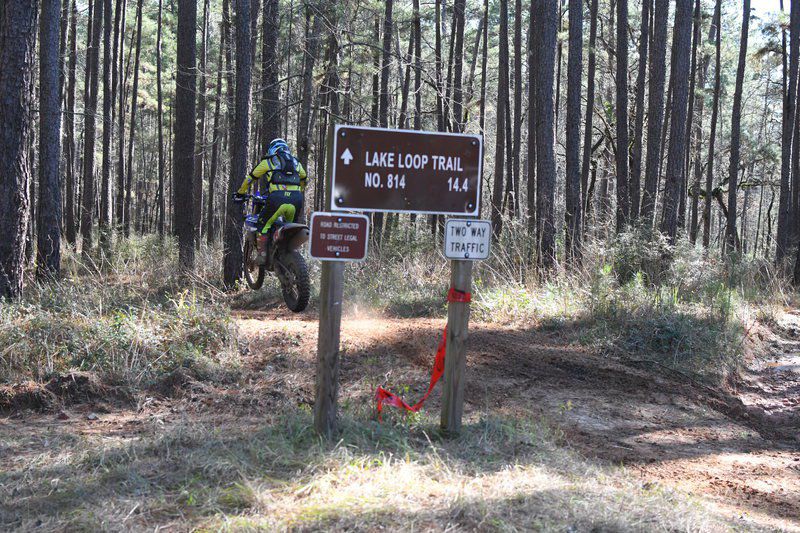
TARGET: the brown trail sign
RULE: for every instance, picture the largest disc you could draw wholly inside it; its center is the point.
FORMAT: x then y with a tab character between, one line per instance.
339	237
406	171
398	171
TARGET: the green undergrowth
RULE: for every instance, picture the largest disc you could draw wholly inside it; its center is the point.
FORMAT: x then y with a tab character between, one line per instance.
130	321
634	296
274	473
133	318
641	299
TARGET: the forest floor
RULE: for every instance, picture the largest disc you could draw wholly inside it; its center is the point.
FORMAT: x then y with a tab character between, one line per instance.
557	436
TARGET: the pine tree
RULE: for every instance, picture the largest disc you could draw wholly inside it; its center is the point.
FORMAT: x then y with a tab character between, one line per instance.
232	260
17	31
48	258
183	158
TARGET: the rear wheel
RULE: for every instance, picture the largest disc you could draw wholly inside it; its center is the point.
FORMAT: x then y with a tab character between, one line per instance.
253	273
296	287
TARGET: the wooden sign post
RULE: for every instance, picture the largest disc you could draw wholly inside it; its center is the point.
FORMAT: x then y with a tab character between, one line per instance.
399	171
330	324
465	241
455	359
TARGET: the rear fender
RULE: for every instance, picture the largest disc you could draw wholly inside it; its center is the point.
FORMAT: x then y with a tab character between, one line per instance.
292	236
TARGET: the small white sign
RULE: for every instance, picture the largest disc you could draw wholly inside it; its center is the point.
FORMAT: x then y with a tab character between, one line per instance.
467	239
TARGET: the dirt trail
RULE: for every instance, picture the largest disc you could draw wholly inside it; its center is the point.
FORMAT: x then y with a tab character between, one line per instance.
738	447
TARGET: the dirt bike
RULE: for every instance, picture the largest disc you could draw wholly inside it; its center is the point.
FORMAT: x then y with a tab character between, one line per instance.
283	256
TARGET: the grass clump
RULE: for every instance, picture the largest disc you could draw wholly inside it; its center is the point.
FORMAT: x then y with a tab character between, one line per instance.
692	313
640	298
129	322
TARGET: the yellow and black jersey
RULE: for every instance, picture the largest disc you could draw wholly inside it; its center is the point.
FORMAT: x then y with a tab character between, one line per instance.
283	173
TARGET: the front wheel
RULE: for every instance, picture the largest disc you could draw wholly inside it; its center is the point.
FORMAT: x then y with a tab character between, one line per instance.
253	272
296	286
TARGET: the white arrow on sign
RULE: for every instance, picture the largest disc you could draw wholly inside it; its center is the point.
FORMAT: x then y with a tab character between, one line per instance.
347	156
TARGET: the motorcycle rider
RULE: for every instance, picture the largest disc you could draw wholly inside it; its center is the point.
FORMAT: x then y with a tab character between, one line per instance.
286	181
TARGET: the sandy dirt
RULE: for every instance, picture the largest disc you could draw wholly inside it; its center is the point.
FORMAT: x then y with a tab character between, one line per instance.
738	447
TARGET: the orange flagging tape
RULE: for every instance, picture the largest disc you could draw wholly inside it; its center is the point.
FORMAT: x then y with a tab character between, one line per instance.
457	296
383	396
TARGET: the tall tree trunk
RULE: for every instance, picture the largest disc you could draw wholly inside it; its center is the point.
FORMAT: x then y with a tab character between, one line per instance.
230	39
69	148
517	118
200	147
17	49
330	94
310	58
63	37
655	108
732	242
376	76
383	101
545	133
502	98
437	51
635	180
162	202
418	68
405	81
108	126
696	21
232	260
116	76
448	94
183	158
509	201
698	133
531	154
134	100
120	196
48	246
458	66
288	54
383	94
417	31
788	133
470	88
484	62
271	104
90	127
211	228
623	201
682	36
794	186
559	55
587	132
572	213
712	136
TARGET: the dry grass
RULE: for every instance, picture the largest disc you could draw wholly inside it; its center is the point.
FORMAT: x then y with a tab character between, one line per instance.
129	322
274	474
134	320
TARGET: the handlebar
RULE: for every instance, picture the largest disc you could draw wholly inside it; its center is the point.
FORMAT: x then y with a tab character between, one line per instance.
258	199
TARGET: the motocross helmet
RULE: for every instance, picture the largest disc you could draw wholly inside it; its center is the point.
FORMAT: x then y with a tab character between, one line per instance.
277	145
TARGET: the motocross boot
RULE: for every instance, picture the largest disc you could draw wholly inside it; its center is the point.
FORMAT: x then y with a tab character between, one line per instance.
261	249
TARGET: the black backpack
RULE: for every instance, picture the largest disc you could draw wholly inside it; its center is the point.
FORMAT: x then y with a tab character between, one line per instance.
287	173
